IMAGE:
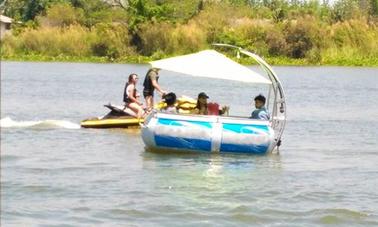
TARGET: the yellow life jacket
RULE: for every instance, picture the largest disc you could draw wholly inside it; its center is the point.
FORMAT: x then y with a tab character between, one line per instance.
185	105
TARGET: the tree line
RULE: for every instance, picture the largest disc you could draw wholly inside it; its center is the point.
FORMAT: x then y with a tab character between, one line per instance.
302	32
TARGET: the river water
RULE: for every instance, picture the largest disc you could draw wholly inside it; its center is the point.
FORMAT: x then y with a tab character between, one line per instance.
54	173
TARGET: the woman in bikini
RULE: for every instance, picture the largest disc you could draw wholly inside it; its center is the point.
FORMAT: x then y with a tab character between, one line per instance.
130	96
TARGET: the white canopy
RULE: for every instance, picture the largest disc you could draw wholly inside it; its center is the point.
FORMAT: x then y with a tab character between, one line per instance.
211	64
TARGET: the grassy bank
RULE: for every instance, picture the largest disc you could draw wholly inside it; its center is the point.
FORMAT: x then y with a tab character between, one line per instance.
63	58
283	61
284	33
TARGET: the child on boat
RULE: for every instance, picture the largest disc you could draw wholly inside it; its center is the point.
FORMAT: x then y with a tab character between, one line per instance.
260	112
170	100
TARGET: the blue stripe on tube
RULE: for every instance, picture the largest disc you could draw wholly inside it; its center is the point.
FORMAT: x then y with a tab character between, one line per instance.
182	143
252	149
171	122
247	129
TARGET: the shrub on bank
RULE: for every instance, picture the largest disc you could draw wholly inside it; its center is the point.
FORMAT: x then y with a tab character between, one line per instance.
104	40
62	14
301	36
111	40
168	38
214	19
155	37
187	38
52	41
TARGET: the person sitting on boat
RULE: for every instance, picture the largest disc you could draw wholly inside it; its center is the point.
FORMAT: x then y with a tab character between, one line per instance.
130	96
201	107
204	108
170	100
150	84
260	112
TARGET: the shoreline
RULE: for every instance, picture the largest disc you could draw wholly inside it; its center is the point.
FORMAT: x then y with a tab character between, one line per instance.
138	59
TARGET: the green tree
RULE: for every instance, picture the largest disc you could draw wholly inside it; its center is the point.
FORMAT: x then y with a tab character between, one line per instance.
63	14
345	9
374	7
27	10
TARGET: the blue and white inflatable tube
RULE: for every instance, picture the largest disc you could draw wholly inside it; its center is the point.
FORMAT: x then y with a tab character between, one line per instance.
207	133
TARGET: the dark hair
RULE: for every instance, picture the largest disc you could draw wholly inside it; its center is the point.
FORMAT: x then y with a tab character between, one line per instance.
131	77
201	95
170	98
261	98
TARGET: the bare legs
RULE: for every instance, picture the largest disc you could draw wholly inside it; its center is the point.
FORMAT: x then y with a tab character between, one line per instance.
149	102
137	109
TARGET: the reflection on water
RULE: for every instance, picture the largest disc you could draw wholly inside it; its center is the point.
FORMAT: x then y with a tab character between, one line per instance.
215	169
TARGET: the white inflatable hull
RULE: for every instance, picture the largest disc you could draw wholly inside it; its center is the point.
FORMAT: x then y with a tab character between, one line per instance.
207	133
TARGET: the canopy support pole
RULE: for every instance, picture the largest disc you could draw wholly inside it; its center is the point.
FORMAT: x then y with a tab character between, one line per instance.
278	118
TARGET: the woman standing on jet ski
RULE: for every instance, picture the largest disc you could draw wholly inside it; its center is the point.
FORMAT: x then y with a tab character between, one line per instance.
130	96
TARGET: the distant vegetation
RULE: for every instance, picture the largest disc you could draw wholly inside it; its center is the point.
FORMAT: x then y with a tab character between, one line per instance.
284	32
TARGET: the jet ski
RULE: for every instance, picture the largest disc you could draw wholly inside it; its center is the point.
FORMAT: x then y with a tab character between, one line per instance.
118	117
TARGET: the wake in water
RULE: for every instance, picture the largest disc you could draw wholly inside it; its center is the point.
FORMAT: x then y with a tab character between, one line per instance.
7	122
